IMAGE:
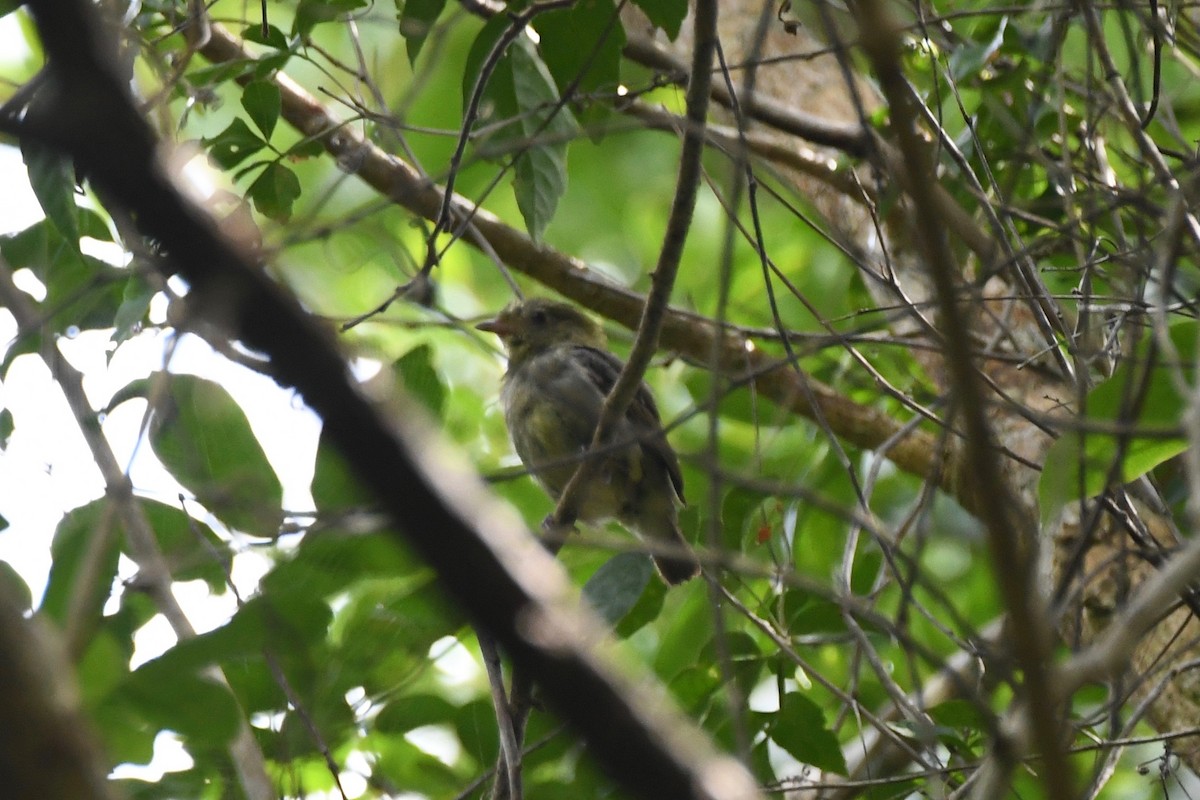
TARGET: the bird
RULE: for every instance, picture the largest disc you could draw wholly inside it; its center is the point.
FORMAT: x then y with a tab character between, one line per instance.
559	373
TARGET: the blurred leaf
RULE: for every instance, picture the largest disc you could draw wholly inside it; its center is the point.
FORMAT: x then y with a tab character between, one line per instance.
665	14
81	291
193	706
497	100
416	373
86	543
274	191
191	548
203	438
329	562
475	725
102	668
52	177
234	145
334	487
540	178
135	305
417	18
262	102
799	728
615	588
414	711
581	47
808	614
970	58
310	13
649	605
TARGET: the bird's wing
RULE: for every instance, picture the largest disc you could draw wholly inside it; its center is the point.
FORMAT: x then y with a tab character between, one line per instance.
603	368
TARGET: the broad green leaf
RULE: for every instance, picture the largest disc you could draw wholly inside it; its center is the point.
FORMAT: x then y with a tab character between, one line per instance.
334	486
193	706
497	99
280	626
417	374
665	14
404	764
53	180
135	305
85	549
101	669
262	102
414	711
82	292
800	729
234	145
645	611
968	59
274	192
540	178
475	725
581	47
615	588
417	18
191	548
311	13
203	438
330	562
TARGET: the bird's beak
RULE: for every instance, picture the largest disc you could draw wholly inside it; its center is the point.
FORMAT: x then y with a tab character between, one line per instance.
496	326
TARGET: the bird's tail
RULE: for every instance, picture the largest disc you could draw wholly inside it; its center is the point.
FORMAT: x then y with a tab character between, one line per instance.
678	566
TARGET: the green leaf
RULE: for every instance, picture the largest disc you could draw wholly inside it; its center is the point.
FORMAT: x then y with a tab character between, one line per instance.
416	21
327	563
799	728
540	178
135	305
311	13
581	47
101	669
86	542
665	14
615	588
414	711
416	373
274	192
234	145
81	291
262	102
334	486
968	59
497	100
275	37
203	438
193	706
192	549
1078	466
6	432
53	180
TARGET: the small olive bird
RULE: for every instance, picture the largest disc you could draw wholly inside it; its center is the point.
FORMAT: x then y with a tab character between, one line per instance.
559	372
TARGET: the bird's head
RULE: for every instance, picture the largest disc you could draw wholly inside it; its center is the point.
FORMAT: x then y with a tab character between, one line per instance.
529	327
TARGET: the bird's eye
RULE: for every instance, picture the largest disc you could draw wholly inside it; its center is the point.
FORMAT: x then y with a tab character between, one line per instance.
538	317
